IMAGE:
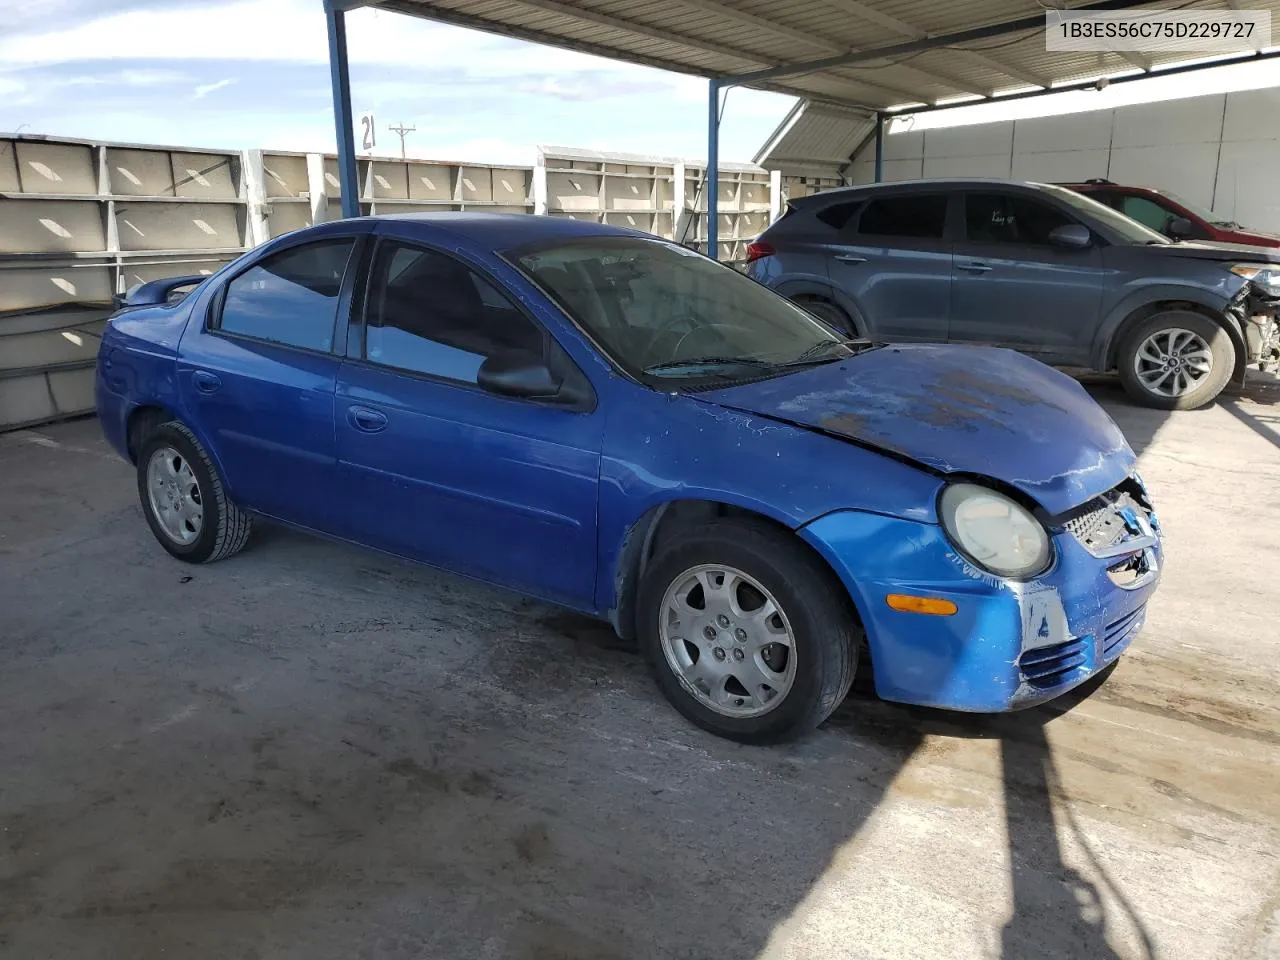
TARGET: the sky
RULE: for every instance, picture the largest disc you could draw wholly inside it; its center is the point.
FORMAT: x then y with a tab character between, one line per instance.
254	73
235	74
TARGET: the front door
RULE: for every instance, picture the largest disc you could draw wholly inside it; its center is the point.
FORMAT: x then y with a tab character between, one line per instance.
1011	287
257	373
436	468
894	261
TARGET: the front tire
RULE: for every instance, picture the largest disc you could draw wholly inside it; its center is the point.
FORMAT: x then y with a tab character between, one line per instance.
184	500
747	633
1175	360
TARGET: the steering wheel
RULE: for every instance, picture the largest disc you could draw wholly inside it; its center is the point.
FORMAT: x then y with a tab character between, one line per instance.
662	330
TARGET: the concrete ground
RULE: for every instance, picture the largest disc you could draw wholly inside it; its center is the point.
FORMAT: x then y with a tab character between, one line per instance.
314	752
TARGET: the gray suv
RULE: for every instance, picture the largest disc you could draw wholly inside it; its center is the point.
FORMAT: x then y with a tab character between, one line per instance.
1034	267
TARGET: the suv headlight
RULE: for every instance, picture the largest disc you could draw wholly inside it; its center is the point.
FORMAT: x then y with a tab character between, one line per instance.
994	532
1265	275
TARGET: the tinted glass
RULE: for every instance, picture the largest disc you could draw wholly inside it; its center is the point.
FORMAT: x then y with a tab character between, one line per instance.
838	214
432	314
1128	230
649	303
1008	218
919	216
1146	212
290	297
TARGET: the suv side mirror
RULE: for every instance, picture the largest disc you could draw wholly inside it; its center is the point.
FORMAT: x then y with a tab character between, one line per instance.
518	375
1180	228
1075	236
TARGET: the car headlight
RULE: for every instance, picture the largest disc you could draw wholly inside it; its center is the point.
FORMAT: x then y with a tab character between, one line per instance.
994	531
1265	275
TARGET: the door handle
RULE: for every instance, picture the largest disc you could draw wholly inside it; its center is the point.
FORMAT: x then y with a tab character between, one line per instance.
205	381
366	419
850	258
975	266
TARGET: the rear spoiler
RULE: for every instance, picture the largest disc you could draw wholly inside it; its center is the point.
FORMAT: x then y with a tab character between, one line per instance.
156	292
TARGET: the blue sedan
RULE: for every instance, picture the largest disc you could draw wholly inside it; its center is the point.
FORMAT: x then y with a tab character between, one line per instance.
616	424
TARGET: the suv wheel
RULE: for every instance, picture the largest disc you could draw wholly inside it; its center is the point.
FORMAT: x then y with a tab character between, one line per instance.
1175	360
829	313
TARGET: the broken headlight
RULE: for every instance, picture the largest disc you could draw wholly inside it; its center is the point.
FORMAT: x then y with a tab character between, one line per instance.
1265	275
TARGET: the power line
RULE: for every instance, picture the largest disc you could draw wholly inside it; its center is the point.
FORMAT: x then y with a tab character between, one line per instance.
403	131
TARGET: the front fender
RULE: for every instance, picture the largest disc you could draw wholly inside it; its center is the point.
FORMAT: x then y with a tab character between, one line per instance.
1149	295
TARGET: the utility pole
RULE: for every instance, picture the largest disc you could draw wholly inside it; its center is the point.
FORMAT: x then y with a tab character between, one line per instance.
402	130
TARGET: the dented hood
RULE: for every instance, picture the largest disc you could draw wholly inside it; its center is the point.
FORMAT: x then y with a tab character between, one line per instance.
956	409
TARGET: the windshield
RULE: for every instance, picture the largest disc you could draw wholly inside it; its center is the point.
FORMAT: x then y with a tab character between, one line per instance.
1129	230
1208	216
661	310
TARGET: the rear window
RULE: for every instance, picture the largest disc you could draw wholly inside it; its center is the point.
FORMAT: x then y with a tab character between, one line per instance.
922	216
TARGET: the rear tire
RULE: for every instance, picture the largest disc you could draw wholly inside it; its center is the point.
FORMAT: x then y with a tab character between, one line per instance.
829	313
184	500
1175	360
739	637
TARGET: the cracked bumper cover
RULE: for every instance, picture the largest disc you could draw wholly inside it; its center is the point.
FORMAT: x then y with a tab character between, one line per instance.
1009	645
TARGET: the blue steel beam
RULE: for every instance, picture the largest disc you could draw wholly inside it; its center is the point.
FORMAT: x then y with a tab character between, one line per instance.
712	179
344	122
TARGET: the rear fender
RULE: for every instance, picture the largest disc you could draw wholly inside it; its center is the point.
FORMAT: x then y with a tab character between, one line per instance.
793	288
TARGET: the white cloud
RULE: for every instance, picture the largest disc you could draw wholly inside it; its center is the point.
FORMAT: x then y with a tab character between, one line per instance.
288	31
204	89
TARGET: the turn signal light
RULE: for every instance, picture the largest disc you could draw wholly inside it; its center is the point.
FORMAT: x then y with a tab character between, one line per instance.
757	250
934	606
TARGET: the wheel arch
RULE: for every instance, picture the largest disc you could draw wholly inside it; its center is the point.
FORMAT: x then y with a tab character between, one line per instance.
1110	347
141	421
800	289
147	416
657	525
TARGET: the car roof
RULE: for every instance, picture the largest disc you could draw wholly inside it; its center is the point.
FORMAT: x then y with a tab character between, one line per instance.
501	231
896	186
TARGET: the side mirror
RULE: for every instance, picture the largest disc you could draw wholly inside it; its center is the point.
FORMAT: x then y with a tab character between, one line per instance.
518	375
1075	236
1180	228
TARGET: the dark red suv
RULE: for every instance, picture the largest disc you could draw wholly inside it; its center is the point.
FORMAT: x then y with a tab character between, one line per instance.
1170	214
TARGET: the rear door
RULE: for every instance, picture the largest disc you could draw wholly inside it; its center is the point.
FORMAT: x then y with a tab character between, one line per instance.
893	259
1013	288
439	469
257	375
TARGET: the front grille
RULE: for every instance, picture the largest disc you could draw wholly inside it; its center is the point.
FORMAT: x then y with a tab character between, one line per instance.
1120	632
1049	666
1112	518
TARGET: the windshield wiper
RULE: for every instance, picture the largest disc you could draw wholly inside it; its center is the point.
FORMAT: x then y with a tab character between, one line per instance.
814	353
673	365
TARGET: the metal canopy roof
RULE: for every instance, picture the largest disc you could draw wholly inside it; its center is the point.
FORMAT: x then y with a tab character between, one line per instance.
895	53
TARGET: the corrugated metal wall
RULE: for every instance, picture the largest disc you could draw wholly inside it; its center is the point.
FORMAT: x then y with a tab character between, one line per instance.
1219	151
82	221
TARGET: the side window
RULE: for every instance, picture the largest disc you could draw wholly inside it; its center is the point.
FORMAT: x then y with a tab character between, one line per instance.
429	313
291	297
838	214
922	216
1146	212
1007	218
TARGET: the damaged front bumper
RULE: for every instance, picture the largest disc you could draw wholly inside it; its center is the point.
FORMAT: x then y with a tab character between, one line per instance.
1257	313
1009	645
